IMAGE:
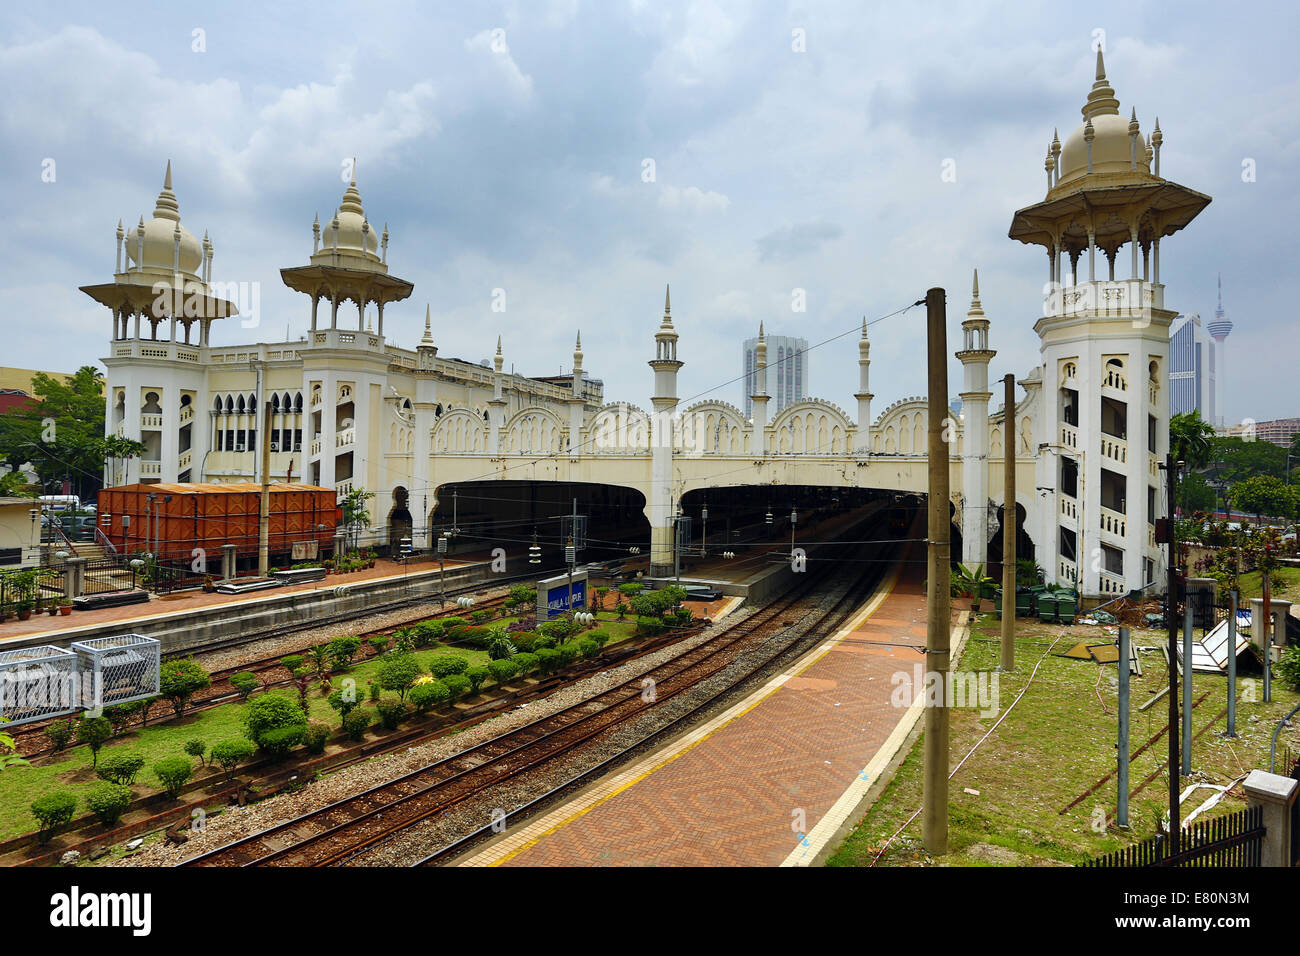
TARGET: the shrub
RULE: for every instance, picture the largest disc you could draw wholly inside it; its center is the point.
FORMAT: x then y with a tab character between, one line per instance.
392	710
650	626
428	632
108	801
291	662
600	637
548	660
120	768
229	754
503	671
379	643
278	742
457	685
344	700
429	695
341	650
446	665
196	748
94	732
476	676
479	637
355	723
119	715
245	684
271	712
320	657
525	662
523	594
173	773
375	690
61	732
588	648
403	640
480	617
180	680
398	673
561	629
631	587
448	623
500	647
524	640
1288	668
544	642
53	811
315	737
568	654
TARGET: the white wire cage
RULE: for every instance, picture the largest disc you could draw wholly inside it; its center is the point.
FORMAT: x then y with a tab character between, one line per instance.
116	670
37	683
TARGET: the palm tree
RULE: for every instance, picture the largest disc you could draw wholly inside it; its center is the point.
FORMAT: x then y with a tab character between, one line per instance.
1191	439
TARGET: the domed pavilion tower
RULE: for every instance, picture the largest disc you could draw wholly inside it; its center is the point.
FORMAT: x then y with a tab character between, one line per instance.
1105	347
163	306
345	369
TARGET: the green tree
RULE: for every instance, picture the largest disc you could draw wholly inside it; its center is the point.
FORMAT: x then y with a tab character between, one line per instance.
1235	459
1195	493
398	673
1191	439
1264	495
356	510
94	732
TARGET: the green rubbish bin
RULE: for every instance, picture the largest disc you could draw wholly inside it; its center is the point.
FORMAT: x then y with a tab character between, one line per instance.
1067	606
997	602
1036	591
1024	602
1047	608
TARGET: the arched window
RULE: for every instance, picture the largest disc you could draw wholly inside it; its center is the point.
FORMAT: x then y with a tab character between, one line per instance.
239	405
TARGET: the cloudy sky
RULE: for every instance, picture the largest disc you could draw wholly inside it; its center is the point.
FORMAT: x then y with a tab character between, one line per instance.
508	146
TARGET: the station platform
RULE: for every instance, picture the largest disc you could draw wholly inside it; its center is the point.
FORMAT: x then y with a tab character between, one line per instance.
775	780
186	609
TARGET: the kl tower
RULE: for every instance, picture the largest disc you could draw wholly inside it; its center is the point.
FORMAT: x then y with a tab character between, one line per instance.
1219	329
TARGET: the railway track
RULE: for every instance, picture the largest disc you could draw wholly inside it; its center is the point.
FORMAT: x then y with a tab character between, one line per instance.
341	831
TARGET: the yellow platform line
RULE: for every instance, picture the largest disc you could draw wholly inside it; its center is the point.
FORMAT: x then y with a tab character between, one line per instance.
533	834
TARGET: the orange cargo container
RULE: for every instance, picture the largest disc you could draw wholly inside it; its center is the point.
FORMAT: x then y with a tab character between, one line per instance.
206	515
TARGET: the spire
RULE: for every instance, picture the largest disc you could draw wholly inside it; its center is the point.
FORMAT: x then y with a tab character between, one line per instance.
760	330
975	290
1218	313
668	306
864	328
498	345
427	340
1102	98
120	231
351	196
166	207
577	346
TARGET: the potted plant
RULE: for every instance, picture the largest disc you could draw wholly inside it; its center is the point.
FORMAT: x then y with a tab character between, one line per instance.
53	608
209	585
65	607
24	610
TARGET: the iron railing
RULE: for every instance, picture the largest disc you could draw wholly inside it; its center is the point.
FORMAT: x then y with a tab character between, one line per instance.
1233	840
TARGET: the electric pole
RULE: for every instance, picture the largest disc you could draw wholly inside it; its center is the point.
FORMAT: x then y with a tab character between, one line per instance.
1009	528
1171	621
934	819
264	506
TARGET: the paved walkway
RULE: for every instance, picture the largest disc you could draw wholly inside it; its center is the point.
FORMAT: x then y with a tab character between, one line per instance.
796	757
183	602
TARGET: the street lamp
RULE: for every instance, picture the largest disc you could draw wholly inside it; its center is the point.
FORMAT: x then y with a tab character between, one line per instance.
704	532
794	520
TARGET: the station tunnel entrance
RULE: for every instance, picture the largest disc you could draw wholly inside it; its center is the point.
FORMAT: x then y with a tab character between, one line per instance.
480	516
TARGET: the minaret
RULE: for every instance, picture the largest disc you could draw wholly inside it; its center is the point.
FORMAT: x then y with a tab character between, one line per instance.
1219	330
497	406
426	386
1103	424
576	402
863	394
975	355
758	441
660	505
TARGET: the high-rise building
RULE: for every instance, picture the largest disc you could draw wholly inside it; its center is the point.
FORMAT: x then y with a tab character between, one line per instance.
787	374
1196	364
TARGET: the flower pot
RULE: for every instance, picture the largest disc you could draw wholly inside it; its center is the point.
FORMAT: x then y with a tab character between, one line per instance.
24	615
65	610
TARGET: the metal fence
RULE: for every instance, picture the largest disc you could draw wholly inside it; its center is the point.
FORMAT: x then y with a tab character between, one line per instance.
37	683
108	575
1233	840
116	670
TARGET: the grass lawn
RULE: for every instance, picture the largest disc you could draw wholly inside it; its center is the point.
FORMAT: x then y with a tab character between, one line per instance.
1057	742
1251	584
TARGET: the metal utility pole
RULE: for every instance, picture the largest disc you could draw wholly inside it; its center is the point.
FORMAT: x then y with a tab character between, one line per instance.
571	552
1121	811
934	818
794	520
264	506
1009	524
1267	637
442	583
1232	664
1171	622
1187	681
